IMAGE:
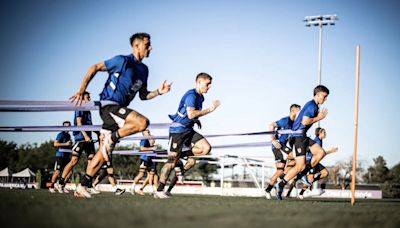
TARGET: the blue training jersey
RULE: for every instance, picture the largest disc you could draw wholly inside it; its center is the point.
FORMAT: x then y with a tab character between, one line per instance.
86	117
126	77
282	124
191	99
62	137
309	155
310	110
144	143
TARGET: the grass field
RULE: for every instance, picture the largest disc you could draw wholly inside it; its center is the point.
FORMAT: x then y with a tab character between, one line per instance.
39	208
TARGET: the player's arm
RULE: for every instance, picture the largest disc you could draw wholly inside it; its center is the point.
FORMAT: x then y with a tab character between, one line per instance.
142	148
308	120
85	135
272	127
193	113
332	150
58	144
144	94
78	97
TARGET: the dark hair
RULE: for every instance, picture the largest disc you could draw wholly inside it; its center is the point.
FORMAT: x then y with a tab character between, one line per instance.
294	106
320	88
203	75
66	122
86	92
318	130
138	36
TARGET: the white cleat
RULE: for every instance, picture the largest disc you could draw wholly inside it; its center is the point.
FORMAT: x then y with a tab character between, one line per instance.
58	187
268	195
93	191
52	190
160	195
300	197
82	192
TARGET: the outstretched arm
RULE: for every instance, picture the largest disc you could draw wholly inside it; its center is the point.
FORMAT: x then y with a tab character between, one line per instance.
147	95
78	96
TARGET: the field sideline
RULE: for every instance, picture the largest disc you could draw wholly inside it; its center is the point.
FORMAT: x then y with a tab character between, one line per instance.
39	208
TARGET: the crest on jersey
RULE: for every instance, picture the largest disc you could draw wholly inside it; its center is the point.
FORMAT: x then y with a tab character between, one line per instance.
174	145
122	111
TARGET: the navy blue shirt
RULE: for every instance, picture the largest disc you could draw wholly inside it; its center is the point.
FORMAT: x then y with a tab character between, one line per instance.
126	77
144	143
86	119
191	99
62	137
310	110
282	124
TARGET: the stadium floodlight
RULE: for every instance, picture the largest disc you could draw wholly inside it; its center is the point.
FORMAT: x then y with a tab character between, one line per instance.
320	21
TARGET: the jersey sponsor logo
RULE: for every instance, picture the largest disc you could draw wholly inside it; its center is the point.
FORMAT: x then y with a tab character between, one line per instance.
122	111
174	145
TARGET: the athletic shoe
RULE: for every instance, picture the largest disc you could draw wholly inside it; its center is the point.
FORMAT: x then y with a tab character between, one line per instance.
300	197
52	190
82	191
65	190
267	195
132	191
279	191
119	191
108	144
140	192
58	187
168	193
160	195
93	191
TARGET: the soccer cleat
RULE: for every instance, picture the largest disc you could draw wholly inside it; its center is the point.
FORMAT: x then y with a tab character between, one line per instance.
140	192
132	191
160	195
82	191
168	193
65	190
279	191
267	195
300	197
119	191
58	187
93	191
52	190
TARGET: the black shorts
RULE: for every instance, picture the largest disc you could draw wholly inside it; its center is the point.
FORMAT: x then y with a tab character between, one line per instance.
61	162
318	168
187	139
278	153
82	146
114	116
107	165
301	145
148	165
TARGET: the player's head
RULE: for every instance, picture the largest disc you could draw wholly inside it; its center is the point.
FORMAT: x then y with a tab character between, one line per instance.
86	96
66	123
321	94
141	45
146	132
320	132
294	109
203	82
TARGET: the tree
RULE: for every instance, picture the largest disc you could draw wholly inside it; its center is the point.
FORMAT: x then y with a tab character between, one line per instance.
379	172
8	155
395	174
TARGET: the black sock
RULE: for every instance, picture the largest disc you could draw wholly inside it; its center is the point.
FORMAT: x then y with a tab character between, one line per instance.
115	136
317	176
61	181
86	181
282	183
161	187
302	191
52	185
282	176
269	188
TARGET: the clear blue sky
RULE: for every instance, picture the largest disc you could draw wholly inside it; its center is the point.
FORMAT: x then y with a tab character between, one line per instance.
260	54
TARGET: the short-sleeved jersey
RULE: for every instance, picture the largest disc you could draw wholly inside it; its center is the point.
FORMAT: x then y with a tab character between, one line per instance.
310	110
144	143
62	137
127	76
282	124
309	155
86	118
191	99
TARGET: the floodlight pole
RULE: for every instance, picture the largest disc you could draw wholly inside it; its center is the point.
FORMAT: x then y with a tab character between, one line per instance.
319	56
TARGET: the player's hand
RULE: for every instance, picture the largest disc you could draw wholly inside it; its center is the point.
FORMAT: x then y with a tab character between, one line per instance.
215	105
69	143
77	98
334	149
165	87
322	114
88	139
276	144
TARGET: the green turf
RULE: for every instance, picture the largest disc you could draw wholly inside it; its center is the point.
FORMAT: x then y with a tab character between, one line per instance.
39	208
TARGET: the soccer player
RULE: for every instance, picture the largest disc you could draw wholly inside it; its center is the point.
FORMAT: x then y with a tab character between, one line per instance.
319	172
146	164
309	115
127	76
83	141
279	145
189	110
105	170
63	141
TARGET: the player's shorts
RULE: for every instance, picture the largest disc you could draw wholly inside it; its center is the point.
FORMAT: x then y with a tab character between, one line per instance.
61	162
318	168
107	165
82	146
278	153
178	140
148	165
114	116
301	145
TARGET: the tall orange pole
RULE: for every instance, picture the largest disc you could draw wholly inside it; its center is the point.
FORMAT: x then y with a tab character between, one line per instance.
353	179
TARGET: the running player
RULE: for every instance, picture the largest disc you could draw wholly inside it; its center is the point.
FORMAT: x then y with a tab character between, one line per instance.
189	110
181	168
127	77
279	146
